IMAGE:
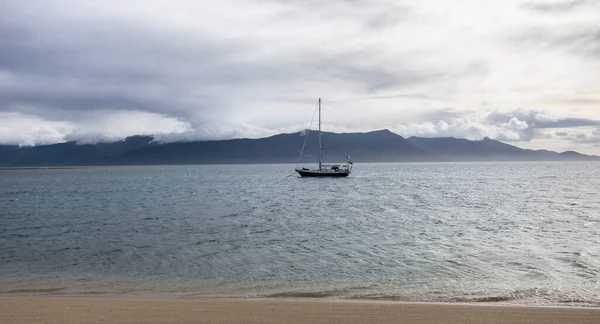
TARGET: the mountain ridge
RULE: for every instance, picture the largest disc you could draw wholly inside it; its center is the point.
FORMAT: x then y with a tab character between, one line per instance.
373	146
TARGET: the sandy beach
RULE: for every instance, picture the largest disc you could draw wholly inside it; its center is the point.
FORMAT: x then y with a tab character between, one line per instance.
126	310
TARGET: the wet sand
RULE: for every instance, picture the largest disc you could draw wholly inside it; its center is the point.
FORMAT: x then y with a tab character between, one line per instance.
129	310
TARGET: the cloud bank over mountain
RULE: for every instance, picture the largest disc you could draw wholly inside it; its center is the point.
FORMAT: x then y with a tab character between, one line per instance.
522	72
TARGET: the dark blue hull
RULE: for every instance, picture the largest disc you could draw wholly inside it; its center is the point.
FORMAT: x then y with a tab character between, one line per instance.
316	173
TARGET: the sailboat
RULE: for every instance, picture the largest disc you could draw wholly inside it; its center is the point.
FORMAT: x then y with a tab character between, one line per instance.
325	170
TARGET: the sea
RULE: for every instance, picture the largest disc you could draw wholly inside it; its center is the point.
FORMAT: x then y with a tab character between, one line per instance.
512	233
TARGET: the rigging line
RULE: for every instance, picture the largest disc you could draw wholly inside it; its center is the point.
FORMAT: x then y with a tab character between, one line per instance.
307	131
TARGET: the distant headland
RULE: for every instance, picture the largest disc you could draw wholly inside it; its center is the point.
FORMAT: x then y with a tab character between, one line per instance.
375	146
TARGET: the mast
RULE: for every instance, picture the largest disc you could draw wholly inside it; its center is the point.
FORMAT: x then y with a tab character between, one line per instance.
320	145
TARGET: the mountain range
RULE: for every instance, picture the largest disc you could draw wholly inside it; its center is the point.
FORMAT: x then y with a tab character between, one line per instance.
375	146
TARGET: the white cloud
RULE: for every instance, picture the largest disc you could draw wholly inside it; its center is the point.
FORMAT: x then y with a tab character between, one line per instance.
515	123
16	128
26	130
472	129
543	118
102	70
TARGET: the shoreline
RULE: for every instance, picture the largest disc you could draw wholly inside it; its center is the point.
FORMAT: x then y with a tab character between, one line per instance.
102	309
54	293
229	298
319	296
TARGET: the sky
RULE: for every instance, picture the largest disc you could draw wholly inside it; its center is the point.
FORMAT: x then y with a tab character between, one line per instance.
523	72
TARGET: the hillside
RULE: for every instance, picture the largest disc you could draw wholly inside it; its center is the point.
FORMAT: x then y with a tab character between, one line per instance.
376	146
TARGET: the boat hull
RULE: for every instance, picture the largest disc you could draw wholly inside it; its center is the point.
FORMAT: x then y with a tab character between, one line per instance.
316	173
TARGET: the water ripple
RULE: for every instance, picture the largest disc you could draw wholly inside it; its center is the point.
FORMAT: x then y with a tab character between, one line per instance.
480	232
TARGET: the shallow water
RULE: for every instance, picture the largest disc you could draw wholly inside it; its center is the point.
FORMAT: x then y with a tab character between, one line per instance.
525	233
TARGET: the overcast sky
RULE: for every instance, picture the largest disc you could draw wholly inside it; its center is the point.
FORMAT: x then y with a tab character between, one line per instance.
527	73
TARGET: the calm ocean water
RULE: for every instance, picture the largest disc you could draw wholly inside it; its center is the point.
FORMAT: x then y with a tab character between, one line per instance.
525	233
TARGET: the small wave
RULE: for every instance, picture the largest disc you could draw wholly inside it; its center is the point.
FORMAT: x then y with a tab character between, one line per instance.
109	252
207	241
584	269
263	231
12	236
105	292
29	228
69	248
455	263
305	294
35	290
233	248
381	297
483	299
60	233
578	302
